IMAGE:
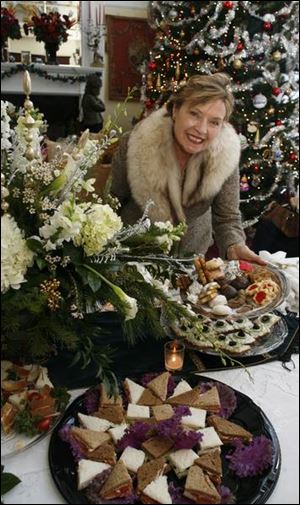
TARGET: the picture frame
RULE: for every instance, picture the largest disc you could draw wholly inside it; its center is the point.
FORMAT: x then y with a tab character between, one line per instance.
129	41
26	57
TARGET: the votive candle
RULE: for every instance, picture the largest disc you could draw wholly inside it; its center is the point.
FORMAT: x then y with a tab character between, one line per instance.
174	355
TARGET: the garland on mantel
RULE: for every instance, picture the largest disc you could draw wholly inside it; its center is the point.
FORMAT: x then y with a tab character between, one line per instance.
43	73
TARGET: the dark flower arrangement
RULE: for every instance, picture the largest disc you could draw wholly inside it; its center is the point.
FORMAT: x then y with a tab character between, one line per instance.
10	27
50	28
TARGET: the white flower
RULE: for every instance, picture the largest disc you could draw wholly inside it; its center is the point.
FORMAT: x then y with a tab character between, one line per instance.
64	225
100	225
16	257
5	126
164	225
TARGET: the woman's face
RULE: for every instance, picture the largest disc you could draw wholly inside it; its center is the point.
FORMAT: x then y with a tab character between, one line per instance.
196	126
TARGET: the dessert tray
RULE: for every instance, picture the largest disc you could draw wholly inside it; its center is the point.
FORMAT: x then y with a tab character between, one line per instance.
231	289
216	401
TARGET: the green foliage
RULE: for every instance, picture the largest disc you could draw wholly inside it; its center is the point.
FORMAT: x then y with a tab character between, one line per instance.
8	481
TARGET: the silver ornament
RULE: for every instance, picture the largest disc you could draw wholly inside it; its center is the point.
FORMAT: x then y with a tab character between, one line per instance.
260	101
269	18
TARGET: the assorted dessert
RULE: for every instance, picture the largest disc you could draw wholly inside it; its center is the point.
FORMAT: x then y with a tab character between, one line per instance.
237	336
139	446
223	289
30	402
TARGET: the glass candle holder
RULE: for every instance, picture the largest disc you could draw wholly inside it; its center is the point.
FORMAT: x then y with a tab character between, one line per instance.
174	355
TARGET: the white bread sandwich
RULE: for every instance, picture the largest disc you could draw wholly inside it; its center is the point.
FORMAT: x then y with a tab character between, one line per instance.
134	391
137	412
210	439
182	460
196	419
133	459
157	491
93	422
87	471
118	432
182	387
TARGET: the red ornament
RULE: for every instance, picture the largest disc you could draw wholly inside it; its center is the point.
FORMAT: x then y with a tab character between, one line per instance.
256	169
240	46
267	26
149	104
152	65
278	122
293	156
228	5
276	91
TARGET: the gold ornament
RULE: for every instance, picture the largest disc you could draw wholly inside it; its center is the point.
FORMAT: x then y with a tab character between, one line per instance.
158	82
237	64
271	111
182	34
257	137
196	51
177	72
276	56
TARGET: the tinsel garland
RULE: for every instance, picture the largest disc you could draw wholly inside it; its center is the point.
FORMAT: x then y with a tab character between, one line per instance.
43	73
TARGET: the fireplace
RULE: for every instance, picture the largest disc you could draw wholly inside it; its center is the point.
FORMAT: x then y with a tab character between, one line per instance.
60	111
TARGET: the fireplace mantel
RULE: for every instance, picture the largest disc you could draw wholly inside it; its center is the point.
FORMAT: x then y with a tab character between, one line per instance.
40	85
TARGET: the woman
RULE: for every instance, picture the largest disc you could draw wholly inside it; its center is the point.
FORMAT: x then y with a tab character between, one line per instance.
92	106
184	157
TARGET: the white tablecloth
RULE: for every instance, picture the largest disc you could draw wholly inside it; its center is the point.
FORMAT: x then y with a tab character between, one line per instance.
274	389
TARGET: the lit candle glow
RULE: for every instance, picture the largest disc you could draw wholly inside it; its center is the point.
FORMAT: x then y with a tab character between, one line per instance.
174	356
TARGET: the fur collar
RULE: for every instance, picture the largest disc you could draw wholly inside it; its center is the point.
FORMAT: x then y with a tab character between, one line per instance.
154	173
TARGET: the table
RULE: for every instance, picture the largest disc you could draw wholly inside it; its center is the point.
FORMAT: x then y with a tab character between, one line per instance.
272	388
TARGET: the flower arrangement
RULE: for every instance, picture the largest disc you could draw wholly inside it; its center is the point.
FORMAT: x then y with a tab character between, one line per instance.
10	27
49	28
67	256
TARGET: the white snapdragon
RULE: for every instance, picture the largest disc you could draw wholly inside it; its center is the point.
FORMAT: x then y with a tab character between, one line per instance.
64	225
100	225
16	257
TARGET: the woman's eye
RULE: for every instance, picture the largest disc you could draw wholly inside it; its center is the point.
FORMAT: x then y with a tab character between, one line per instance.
215	123
193	113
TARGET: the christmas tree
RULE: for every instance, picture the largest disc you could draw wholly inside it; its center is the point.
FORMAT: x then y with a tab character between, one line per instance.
256	43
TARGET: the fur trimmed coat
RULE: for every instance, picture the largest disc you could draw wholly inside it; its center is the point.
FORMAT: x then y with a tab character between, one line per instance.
205	196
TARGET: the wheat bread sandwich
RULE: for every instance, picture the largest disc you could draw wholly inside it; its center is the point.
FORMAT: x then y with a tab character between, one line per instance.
199	488
87	470
149	471
89	439
157	492
158	446
118	484
105	453
159	385
228	431
133	390
211	464
162	412
106	399
210	400
190	398
149	399
112	413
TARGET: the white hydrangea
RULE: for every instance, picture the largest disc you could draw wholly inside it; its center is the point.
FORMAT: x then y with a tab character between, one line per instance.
16	257
64	225
101	224
5	126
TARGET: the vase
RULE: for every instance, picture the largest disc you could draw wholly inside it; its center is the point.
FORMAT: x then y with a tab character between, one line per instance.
51	49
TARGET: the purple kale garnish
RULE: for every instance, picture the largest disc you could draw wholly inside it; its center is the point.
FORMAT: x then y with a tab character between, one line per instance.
91	400
177	496
173	429
226	495
227	397
148	377
187	439
134	436
252	459
66	435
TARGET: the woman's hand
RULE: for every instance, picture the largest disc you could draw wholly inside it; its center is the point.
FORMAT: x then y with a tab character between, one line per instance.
242	252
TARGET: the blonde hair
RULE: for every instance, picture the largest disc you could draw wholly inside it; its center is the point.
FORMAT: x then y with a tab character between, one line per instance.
204	88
